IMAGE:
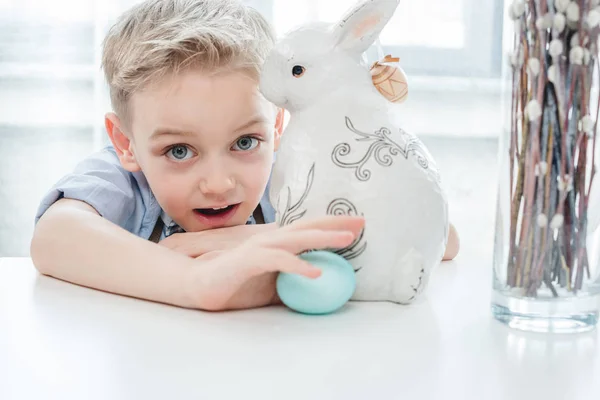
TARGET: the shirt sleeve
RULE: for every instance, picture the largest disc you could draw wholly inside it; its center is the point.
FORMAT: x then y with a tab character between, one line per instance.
100	181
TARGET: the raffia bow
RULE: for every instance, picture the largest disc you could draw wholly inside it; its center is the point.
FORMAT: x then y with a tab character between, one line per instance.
387	59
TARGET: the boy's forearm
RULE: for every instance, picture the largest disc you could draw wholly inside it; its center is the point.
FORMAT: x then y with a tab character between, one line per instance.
73	243
195	244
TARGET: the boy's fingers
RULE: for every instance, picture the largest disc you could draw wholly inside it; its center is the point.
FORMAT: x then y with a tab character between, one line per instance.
272	260
211	255
296	242
353	224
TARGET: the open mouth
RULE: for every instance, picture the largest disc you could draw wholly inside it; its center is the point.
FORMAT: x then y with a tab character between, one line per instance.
216	217
211	212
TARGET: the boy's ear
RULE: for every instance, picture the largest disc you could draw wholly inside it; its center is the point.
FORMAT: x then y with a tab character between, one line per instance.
279	126
121	142
359	28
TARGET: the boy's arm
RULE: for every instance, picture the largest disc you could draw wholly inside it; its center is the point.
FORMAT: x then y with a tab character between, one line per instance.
195	244
73	242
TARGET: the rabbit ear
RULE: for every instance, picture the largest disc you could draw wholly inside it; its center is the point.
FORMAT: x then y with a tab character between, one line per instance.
359	28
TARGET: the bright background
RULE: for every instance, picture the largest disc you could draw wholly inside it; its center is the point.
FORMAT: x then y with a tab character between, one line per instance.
451	50
53	96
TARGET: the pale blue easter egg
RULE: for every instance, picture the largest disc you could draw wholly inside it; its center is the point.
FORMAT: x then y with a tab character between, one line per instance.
322	295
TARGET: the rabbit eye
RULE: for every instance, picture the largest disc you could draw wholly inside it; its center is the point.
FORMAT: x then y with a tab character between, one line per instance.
298	71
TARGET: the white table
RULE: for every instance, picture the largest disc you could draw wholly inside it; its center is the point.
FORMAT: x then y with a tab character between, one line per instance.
61	341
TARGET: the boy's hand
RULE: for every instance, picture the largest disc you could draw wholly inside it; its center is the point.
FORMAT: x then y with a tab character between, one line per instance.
244	276
195	244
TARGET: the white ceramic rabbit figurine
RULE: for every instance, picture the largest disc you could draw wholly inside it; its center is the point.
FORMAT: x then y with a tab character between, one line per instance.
344	152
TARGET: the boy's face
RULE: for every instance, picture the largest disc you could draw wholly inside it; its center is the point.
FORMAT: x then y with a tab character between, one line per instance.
205	144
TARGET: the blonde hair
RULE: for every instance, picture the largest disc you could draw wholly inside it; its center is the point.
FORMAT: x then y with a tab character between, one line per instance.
157	38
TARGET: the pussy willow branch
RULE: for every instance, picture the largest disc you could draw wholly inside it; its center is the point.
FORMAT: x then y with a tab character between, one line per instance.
595	133
554	253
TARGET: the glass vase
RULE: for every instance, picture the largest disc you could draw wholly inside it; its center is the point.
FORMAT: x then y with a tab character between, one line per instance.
546	274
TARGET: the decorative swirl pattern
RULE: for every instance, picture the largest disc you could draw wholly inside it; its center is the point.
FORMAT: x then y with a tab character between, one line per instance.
413	145
291	212
342	206
343	149
418	288
380	142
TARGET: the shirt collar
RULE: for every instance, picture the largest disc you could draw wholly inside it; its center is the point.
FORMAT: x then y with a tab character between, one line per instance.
171	226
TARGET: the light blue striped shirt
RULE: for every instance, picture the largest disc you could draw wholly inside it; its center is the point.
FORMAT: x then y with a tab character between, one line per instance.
120	196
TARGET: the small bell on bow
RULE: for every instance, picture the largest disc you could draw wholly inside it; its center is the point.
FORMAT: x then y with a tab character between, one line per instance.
390	80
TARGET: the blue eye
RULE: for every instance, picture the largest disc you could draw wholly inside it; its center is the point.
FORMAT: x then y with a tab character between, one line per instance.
245	143
179	153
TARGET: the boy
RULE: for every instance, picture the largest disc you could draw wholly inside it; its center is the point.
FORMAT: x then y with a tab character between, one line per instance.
192	150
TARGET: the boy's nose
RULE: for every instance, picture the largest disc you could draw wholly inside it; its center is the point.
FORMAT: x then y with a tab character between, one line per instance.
217	185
